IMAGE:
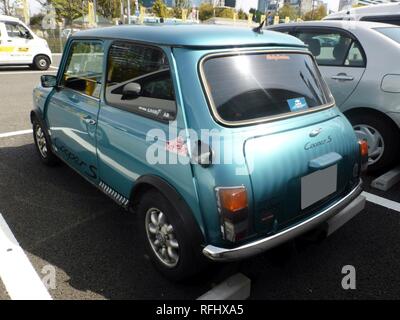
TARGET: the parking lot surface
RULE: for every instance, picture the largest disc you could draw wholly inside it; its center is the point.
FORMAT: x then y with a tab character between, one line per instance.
62	221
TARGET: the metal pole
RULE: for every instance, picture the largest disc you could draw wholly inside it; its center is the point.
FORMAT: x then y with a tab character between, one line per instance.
129	11
122	11
95	11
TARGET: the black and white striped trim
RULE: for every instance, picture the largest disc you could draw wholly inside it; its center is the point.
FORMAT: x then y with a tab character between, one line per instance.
114	194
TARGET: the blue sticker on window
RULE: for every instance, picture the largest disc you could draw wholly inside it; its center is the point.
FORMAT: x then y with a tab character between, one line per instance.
297	104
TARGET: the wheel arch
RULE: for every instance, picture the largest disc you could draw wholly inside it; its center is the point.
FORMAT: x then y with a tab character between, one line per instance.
41	54
153	182
373	111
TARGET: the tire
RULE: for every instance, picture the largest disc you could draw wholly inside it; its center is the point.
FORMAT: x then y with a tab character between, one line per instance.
382	129
190	260
43	146
41	62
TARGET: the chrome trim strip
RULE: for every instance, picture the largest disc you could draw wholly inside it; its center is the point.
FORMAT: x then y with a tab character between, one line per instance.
258	246
213	109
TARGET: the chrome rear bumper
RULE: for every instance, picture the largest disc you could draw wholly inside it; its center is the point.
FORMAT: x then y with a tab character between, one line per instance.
340	212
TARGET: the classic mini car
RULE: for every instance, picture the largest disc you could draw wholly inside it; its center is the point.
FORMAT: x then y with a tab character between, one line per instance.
225	144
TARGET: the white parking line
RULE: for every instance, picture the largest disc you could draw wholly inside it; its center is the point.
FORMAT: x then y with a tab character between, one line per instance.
15	133
393	205
26	72
16	271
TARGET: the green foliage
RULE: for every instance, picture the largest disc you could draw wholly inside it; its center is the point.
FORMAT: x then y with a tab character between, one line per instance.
185	4
36	20
179	5
256	15
206	11
242	15
160	9
318	14
224	13
69	9
288	11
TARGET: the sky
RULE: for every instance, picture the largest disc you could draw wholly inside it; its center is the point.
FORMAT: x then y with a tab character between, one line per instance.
245	4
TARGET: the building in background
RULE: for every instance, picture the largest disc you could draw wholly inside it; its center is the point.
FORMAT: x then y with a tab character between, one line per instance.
230	3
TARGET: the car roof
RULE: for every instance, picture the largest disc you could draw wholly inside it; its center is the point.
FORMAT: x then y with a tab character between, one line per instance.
348	25
192	35
8	18
378	9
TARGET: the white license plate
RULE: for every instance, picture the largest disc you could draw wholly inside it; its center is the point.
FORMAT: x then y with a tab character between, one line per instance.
318	185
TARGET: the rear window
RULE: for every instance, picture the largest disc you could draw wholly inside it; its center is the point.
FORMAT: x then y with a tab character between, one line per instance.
392	33
248	87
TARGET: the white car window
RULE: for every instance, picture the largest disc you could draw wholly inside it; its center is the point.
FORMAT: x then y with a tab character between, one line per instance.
333	48
15	30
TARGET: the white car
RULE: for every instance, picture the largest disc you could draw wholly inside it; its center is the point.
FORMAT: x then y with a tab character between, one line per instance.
360	63
20	46
384	13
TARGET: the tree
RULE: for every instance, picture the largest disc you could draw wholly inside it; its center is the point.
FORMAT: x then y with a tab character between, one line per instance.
256	15
287	11
224	12
206	11
160	9
6	7
316	14
179	5
36	20
185	4
69	9
242	15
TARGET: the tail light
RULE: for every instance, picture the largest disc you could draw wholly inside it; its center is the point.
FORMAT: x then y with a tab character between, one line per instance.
233	208
363	144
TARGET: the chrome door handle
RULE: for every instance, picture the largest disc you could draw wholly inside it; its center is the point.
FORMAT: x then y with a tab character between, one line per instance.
89	121
342	77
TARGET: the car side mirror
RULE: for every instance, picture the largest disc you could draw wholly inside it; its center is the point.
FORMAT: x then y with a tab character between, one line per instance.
48	81
131	91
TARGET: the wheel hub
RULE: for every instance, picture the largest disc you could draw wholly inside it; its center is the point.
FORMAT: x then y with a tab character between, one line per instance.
41	141
161	236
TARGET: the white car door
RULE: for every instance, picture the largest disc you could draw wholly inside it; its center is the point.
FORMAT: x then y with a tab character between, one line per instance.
5	48
340	58
19	41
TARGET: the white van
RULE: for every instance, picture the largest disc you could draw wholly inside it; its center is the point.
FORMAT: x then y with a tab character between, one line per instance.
20	46
385	13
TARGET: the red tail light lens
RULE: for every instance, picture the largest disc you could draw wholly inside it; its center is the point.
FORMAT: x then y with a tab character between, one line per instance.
233	209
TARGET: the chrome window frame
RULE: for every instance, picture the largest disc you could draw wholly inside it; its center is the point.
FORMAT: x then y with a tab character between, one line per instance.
214	111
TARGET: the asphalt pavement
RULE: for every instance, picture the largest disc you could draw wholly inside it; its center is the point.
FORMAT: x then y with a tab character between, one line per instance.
63	222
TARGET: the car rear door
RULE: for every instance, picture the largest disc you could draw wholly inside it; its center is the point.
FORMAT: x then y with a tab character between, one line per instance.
340	58
73	107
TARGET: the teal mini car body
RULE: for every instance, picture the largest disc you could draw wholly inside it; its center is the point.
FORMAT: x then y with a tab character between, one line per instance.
226	141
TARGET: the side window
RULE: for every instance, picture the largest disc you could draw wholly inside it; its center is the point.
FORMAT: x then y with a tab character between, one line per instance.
331	48
139	81
355	57
84	67
15	30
